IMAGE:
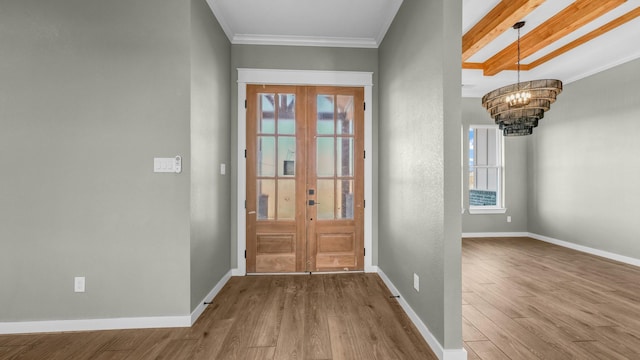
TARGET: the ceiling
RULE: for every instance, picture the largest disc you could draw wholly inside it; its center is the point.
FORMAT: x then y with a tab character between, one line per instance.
562	39
351	23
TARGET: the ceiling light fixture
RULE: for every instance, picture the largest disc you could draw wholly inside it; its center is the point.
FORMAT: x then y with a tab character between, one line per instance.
518	107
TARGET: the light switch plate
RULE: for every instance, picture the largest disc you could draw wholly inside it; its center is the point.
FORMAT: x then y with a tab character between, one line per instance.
416	282
167	165
78	284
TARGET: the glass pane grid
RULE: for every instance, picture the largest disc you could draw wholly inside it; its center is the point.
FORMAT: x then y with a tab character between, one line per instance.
276	155
335	157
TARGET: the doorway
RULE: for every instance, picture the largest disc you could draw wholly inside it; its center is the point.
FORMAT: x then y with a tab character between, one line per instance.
305	178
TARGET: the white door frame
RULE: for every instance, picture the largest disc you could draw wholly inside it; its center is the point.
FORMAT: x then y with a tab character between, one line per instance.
309	78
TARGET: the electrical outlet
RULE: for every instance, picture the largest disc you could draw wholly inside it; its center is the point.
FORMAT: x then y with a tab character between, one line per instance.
508	218
78	284
416	282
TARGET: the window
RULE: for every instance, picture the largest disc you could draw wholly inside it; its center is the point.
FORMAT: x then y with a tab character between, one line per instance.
486	170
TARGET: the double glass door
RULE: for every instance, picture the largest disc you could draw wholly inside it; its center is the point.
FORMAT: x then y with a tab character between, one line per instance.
305	179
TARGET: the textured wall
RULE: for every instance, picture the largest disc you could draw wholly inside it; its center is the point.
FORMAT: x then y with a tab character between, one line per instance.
91	92
419	164
584	165
210	147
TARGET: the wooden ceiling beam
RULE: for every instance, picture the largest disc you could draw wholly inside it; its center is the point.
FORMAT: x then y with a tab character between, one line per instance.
480	66
588	37
500	19
571	18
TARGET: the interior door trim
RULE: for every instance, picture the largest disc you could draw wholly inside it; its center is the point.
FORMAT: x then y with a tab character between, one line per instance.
309	78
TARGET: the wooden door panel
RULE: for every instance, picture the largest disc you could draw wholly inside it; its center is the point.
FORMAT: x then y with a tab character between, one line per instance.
314	144
336	173
276	238
276	244
275	263
336	262
336	243
336	250
276	247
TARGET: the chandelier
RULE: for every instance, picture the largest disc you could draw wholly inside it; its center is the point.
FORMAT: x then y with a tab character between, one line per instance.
518	107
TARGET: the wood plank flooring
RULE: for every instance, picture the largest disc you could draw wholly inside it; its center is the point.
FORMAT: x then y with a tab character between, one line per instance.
321	317
526	299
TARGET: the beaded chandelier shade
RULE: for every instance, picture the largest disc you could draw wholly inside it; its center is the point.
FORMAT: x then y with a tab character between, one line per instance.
518	107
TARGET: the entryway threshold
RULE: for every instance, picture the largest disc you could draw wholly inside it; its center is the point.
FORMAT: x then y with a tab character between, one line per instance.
309	273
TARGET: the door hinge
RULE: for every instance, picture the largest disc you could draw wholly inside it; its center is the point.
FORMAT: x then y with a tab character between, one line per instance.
245	204
245	254
245	103
364	106
245	153
364	252
364	203
364	154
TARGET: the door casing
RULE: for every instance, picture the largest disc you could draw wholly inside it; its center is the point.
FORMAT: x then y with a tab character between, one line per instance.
310	78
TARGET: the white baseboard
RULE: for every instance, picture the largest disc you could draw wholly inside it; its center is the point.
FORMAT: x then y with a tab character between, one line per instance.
566	244
26	327
495	234
32	327
237	272
441	353
588	250
216	289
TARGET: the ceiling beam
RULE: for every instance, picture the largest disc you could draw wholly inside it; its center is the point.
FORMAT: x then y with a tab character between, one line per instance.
587	37
480	66
571	18
500	19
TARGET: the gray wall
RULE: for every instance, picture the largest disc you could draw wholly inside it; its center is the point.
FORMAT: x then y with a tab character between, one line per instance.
515	150
584	164
419	162
210	147
299	58
91	92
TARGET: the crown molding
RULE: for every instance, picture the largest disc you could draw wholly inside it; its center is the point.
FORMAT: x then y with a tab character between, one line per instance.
294	40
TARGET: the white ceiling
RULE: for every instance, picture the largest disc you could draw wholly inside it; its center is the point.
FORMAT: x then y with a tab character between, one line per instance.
343	23
363	23
615	47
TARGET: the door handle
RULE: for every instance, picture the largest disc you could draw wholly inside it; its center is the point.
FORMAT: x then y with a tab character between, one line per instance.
313	202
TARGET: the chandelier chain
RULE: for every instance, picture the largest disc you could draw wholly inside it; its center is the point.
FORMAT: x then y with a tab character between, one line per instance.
518	58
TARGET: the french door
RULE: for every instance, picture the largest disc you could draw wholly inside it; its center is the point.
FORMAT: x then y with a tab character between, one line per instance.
305	179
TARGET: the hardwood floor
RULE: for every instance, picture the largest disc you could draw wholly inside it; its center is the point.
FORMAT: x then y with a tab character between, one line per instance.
526	299
345	316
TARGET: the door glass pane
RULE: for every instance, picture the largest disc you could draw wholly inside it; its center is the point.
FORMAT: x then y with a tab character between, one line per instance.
325	107
266	116
345	114
266	159
325	199
287	114
325	157
286	155
266	192
345	156
345	199
286	199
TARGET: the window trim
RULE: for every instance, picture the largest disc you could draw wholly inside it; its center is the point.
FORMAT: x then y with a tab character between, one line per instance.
500	208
